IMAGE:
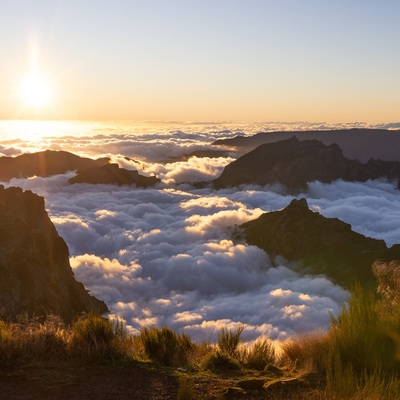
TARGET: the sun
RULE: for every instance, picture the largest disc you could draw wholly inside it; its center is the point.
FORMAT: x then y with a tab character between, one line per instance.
35	92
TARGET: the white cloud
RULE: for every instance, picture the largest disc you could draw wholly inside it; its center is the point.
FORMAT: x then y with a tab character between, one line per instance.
164	255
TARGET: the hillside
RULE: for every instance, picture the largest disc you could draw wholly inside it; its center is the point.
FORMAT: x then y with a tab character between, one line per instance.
49	162
44	163
112	174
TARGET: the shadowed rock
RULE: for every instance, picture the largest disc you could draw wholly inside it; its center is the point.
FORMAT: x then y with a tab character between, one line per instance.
35	274
293	163
321	245
113	174
361	144
44	163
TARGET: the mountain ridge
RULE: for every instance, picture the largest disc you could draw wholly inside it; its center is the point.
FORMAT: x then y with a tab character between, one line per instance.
294	163
356	143
321	245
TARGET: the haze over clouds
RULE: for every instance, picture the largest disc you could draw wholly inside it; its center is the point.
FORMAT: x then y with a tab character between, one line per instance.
165	256
145	142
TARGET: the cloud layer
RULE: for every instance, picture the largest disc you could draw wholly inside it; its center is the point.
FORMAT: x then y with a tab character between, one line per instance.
165	256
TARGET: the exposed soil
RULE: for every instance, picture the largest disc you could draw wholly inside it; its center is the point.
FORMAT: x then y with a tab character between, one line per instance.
85	383
141	382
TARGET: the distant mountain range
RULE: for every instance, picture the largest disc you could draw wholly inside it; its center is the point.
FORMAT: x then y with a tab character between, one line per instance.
361	144
47	163
293	163
112	174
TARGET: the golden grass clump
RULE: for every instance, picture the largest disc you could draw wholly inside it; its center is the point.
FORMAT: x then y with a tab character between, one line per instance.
165	346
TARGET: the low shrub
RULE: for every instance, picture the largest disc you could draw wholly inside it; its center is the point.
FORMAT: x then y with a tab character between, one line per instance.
360	335
307	352
343	382
229	340
32	340
95	338
217	361
259	356
165	346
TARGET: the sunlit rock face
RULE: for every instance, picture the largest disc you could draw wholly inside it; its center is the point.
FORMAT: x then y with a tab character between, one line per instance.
294	163
44	163
322	245
113	174
35	274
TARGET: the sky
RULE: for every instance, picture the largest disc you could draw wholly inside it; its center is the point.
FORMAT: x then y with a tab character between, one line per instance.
208	60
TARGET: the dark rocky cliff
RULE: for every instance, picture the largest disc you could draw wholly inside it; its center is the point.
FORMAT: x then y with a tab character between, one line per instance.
35	274
293	163
322	245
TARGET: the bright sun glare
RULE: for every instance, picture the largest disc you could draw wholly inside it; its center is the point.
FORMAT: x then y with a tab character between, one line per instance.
35	92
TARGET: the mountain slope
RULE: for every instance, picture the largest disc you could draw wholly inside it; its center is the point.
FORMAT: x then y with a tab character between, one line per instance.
361	144
113	174
35	274
322	245
44	163
293	163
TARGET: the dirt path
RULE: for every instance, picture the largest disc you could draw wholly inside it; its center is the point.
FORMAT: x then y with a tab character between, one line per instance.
85	383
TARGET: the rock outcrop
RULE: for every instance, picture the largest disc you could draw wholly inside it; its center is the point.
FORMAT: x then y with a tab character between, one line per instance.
44	163
321	245
293	163
361	144
113	174
35	275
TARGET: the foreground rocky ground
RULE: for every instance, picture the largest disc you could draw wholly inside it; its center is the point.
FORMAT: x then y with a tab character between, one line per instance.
62	382
84	383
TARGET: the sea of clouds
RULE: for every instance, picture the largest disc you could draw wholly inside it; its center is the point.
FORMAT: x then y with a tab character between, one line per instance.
165	255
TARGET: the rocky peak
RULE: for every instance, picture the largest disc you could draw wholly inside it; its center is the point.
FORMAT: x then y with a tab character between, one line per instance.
298	204
35	274
294	163
320	245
